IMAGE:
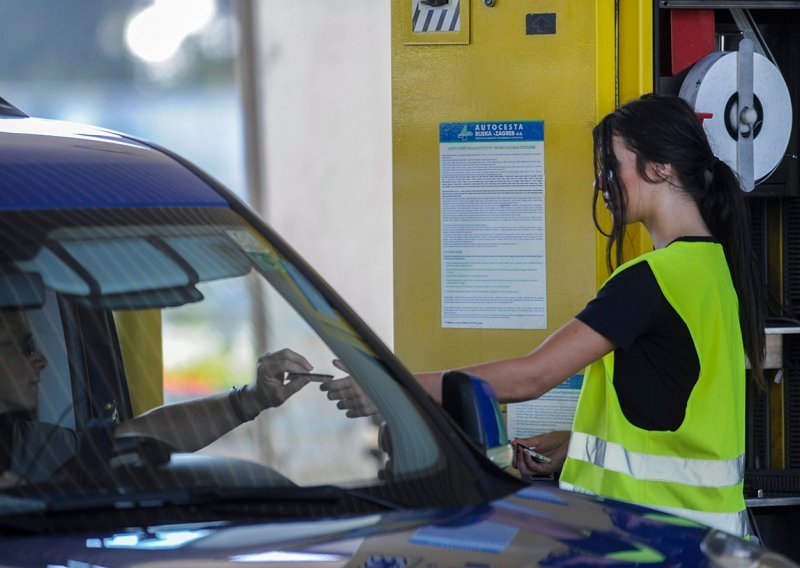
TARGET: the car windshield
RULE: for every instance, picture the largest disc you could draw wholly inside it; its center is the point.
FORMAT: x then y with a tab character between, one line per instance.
125	310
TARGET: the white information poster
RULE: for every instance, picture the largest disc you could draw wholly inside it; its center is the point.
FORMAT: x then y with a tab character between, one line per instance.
492	223
553	411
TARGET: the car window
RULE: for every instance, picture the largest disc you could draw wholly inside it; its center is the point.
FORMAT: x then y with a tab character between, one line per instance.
217	295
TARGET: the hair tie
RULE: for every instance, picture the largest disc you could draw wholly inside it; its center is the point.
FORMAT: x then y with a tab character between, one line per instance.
708	170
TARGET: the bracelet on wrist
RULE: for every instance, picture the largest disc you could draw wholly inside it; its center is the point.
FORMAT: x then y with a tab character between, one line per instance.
235	398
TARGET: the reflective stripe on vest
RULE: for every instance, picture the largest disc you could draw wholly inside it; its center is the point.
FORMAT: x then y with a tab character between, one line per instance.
696	472
734	523
615	485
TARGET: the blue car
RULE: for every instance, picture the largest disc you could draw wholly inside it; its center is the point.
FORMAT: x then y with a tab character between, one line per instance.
164	360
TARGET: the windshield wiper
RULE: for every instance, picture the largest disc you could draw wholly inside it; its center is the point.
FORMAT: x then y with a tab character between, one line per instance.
68	513
330	495
309	495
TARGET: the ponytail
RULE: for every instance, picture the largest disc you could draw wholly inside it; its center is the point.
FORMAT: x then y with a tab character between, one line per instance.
722	205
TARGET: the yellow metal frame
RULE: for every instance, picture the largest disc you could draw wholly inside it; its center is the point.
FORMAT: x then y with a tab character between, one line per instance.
140	341
776	391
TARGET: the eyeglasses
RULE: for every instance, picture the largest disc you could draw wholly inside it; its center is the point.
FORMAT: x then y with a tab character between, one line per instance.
26	345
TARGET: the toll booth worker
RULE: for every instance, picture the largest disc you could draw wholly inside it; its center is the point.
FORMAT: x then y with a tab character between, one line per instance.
661	416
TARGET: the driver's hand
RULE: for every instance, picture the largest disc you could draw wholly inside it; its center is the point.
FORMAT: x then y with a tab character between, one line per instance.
269	388
348	395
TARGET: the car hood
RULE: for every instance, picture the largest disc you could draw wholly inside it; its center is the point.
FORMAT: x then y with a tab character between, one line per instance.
534	526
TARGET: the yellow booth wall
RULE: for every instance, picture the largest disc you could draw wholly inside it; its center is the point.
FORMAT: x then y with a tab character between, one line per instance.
492	70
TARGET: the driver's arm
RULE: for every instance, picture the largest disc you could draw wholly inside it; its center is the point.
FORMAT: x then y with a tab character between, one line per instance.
191	425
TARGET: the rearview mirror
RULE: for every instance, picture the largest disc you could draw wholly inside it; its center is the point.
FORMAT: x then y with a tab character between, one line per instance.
21	290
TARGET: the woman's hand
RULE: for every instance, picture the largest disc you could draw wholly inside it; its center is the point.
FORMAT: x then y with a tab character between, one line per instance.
553	445
348	395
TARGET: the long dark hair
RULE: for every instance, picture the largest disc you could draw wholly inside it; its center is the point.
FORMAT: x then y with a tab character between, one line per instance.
665	129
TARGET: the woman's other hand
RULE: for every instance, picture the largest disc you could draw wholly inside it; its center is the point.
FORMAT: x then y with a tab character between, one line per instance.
553	445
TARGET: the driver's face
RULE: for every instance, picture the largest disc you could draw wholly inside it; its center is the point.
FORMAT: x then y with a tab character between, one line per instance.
21	364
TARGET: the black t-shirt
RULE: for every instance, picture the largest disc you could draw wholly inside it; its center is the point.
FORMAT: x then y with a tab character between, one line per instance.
655	361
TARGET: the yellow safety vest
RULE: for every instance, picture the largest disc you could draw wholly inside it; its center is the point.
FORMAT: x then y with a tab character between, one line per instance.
696	471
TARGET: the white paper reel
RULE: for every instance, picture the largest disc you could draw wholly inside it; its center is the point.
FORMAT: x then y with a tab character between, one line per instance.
711	89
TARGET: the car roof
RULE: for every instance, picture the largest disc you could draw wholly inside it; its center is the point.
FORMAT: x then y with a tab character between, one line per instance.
48	164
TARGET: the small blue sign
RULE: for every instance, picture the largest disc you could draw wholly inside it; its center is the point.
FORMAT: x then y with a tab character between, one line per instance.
574	382
500	131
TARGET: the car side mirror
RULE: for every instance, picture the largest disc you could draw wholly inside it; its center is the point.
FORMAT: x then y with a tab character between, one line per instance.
472	403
